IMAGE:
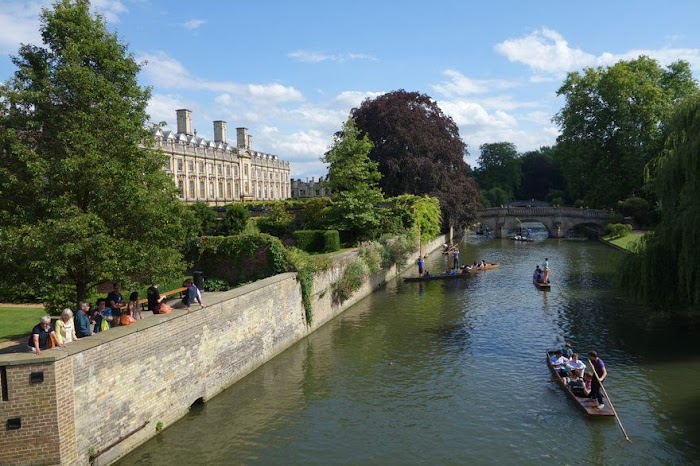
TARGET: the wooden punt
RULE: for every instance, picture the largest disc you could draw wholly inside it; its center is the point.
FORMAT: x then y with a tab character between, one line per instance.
525	240
542	286
588	405
465	274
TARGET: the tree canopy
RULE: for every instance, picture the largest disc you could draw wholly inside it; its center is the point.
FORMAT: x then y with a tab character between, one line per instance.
666	270
612	125
83	200
353	178
419	151
499	167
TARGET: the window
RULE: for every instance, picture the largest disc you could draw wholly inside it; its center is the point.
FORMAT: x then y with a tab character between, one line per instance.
210	168
228	170
180	187
211	188
219	169
201	168
179	165
238	191
202	192
235	171
191	192
221	189
228	189
190	165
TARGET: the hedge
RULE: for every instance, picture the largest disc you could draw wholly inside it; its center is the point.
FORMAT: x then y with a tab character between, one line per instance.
317	240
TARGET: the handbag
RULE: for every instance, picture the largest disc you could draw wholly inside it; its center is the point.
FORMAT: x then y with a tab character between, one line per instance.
104	325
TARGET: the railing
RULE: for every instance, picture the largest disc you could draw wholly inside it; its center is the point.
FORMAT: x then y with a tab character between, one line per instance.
543	212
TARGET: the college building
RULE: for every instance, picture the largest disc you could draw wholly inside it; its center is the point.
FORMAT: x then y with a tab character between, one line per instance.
310	188
217	172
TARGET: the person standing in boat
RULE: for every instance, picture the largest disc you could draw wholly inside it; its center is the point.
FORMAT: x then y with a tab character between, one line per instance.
455	258
599	368
420	264
546	270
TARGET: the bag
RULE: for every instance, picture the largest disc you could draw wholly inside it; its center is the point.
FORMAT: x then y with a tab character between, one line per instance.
165	309
104	325
126	319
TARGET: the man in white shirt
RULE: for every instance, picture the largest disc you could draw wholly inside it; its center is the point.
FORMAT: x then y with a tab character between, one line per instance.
559	363
576	365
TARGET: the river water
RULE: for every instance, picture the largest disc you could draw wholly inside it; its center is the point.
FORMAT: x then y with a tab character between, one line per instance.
453	372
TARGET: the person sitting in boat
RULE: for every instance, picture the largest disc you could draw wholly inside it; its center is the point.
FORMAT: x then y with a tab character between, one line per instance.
567	351
577	385
587	380
559	363
576	365
538	275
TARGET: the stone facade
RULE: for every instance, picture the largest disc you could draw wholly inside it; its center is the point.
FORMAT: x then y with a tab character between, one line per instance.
102	396
308	189
217	172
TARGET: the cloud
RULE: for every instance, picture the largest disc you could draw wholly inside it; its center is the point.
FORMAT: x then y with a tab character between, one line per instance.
545	50
472	115
162	107
166	72
194	24
110	9
309	56
460	85
352	99
19	24
549	55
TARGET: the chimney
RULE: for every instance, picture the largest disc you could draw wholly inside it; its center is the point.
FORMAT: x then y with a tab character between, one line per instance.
250	142
184	121
220	131
242	138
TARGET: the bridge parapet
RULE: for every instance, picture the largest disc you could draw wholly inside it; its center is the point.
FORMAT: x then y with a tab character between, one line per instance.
543	212
557	220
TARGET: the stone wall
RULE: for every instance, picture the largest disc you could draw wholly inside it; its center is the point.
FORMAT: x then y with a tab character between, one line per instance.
104	395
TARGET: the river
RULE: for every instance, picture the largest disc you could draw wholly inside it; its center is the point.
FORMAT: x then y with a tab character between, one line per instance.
453	372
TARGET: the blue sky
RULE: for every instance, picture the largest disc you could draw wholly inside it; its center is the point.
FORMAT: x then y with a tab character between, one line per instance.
291	71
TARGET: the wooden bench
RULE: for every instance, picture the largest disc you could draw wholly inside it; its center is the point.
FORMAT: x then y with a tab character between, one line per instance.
144	302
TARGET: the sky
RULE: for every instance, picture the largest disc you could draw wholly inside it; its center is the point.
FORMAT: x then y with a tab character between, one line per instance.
291	71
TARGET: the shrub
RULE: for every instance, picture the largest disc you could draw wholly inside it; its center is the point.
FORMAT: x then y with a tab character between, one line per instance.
234	220
352	279
372	255
216	284
277	222
317	240
618	230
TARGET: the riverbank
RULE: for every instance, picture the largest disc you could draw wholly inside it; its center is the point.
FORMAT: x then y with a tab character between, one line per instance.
625	243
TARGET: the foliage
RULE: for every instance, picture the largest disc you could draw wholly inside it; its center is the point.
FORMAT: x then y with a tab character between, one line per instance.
541	176
419	151
613	124
638	208
317	240
276	222
306	267
216	284
314	214
353	178
666	266
234	219
499	167
241	258
420	212
205	222
398	249
372	253
75	181
495	197
618	230
352	279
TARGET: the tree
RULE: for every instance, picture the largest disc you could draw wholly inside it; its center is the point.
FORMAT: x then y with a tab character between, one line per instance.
540	174
204	220
499	167
665	270
613	124
86	201
353	179
419	151
234	220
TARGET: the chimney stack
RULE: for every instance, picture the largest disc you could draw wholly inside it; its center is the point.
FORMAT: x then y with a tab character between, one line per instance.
250	142
220	131
242	138
184	121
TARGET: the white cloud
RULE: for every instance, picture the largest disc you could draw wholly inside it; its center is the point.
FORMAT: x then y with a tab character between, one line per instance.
311	56
351	99
110	9
19	24
546	51
194	23
472	115
460	85
162	107
549	55
166	72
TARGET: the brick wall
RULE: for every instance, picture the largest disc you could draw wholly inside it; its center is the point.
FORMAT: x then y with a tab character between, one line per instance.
104	395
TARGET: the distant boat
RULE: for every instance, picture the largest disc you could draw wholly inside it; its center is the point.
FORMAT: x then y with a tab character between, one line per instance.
522	238
464	274
589	405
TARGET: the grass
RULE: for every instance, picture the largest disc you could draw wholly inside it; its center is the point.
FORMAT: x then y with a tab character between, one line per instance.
626	242
17	322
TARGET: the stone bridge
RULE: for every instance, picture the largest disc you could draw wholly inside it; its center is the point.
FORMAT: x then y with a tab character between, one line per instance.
557	220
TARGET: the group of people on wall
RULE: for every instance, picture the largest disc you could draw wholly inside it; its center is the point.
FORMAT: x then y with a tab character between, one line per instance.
108	313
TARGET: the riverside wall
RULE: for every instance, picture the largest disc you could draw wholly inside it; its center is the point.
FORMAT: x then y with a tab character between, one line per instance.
103	396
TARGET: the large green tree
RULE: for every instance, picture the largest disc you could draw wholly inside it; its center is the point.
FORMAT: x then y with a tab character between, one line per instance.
83	200
354	180
419	151
666	270
540	174
612	125
499	167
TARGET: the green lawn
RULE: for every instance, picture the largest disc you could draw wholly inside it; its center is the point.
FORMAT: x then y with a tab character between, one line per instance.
625	242
18	322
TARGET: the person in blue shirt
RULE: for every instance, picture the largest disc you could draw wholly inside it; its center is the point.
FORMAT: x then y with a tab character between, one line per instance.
420	263
82	321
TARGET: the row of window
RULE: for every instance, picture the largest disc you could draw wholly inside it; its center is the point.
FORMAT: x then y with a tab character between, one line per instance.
217	190
220	168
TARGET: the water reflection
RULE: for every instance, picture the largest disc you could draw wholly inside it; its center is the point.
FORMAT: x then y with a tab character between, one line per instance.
452	372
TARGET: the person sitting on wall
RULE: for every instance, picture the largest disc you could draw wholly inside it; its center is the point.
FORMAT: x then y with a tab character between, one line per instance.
42	337
65	328
155	300
191	295
116	303
102	315
83	323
